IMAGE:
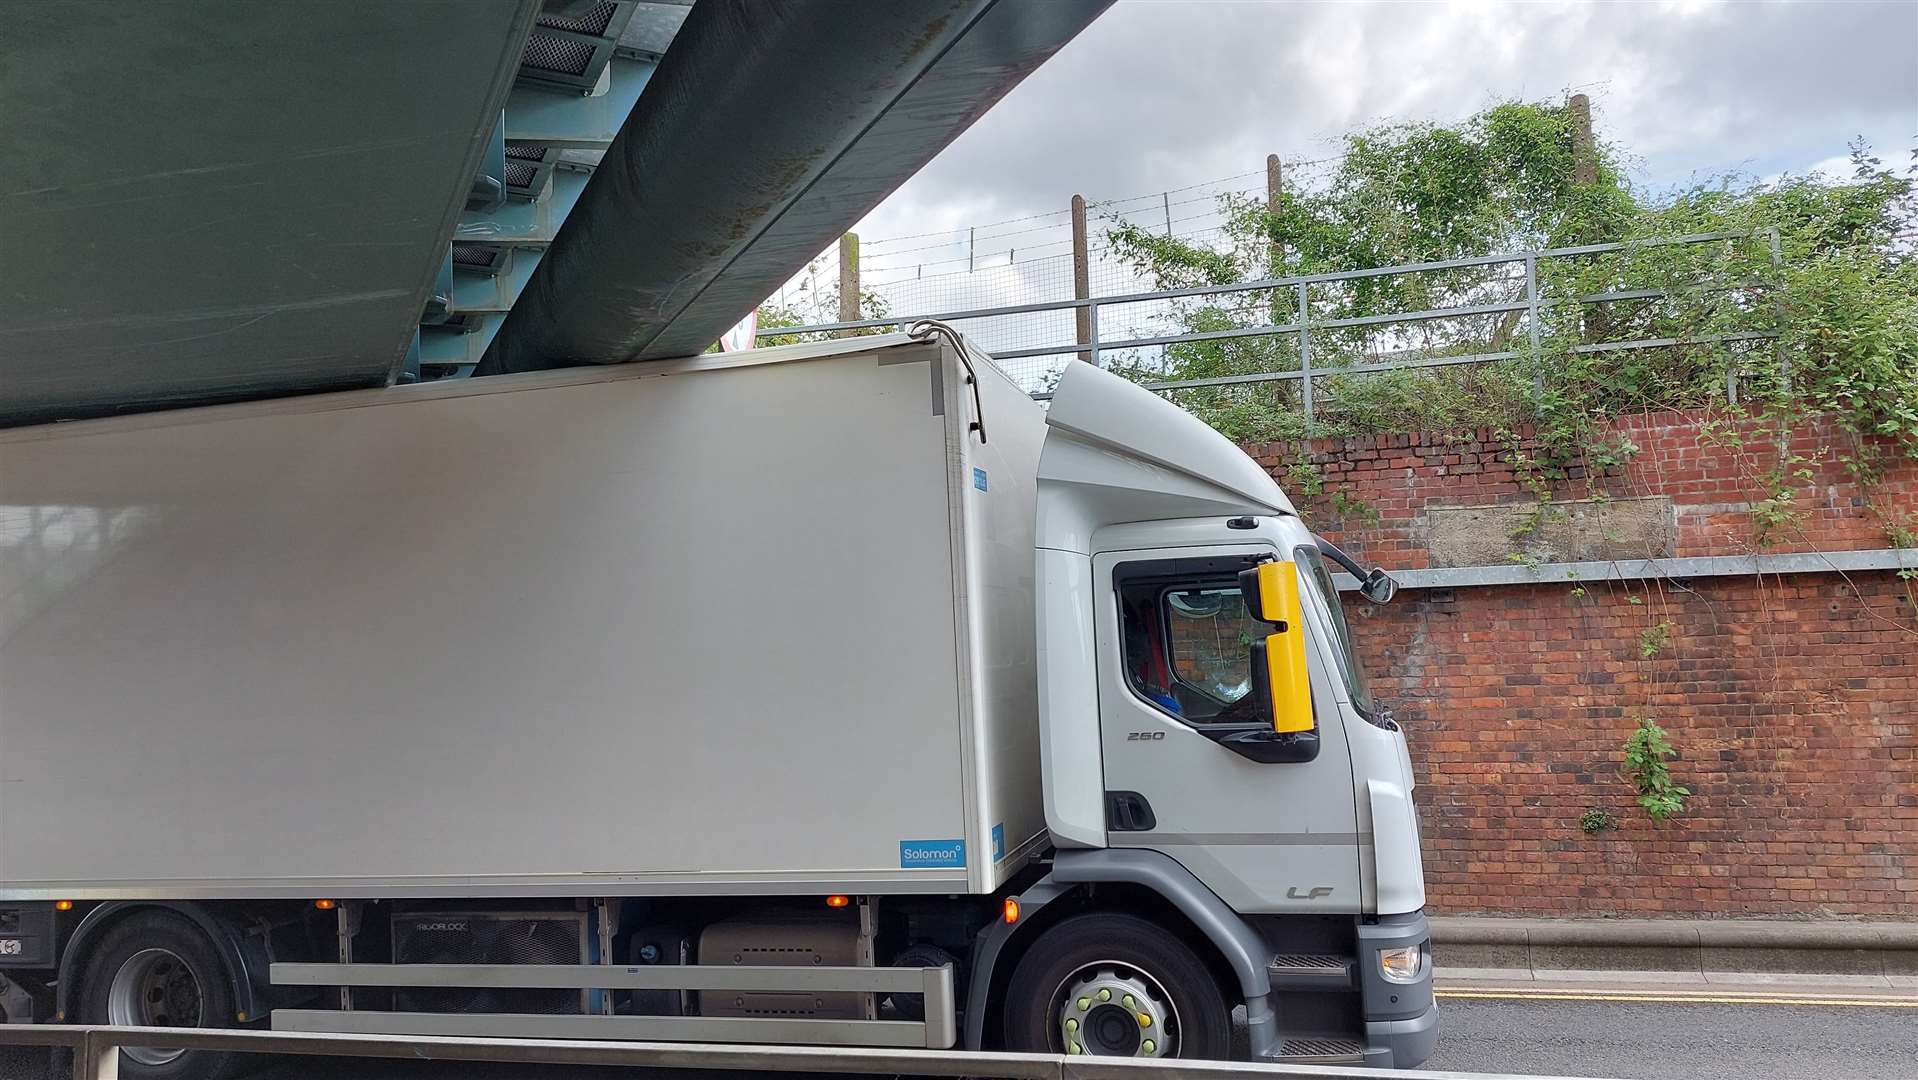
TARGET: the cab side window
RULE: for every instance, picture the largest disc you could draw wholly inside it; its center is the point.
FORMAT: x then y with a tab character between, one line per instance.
1188	646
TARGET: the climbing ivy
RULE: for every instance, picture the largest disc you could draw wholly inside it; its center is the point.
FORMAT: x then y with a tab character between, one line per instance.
1645	755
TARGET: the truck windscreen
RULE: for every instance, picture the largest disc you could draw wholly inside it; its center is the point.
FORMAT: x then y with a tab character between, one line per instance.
1320	578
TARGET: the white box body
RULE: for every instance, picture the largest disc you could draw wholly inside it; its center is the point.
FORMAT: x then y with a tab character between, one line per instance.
746	623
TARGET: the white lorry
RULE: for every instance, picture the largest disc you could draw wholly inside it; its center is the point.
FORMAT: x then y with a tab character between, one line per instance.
832	693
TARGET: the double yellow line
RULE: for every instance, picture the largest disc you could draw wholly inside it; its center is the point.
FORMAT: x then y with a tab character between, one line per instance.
1681	997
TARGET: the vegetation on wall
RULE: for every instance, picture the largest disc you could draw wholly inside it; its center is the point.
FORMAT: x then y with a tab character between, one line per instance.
1842	292
1646	753
1806	311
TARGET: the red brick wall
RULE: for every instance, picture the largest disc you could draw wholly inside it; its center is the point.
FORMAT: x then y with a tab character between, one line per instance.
1793	700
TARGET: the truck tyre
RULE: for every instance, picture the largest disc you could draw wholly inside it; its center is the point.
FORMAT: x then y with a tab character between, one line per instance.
155	968
1116	986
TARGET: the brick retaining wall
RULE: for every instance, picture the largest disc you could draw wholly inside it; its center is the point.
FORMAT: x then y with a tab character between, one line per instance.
1793	700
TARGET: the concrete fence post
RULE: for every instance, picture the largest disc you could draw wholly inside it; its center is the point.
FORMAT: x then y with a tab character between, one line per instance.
1275	252
849	277
1584	146
1081	275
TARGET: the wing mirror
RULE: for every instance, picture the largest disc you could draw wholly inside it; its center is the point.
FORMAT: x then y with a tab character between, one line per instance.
1376	585
1379	586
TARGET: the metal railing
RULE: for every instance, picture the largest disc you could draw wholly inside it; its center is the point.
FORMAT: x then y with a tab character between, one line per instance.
937	1027
96	1053
1302	324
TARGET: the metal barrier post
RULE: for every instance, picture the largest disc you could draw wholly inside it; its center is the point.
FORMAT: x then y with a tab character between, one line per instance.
1778	306
1531	300
1305	358
1531	320
97	1057
1092	332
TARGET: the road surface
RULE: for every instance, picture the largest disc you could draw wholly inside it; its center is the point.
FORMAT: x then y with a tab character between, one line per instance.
1662	1033
1699	1033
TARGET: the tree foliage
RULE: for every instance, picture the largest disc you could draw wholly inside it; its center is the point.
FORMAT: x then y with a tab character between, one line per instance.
1841	292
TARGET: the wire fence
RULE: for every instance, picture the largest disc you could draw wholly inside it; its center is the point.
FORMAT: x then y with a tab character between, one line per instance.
1009	286
1029	259
1490	309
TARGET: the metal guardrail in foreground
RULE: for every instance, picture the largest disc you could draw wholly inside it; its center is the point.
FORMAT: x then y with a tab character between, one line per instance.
97	1056
1302	323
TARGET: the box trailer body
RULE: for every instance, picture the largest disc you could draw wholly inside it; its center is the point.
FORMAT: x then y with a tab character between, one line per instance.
835	693
647	632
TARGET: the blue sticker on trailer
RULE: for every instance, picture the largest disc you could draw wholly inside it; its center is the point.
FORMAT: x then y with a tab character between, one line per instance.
938	854
998	842
979	479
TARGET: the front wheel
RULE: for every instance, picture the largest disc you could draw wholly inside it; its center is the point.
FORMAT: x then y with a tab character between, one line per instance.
1116	986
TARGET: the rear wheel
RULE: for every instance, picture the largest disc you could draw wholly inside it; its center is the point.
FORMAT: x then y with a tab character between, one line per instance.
1116	986
157	969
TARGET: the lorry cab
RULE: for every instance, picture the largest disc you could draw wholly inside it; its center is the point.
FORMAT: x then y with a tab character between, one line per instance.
1231	756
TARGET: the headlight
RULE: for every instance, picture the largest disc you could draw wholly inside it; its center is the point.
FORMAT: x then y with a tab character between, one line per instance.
1402	965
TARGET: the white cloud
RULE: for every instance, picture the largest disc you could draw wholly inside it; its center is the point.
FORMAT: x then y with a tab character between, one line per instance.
1159	95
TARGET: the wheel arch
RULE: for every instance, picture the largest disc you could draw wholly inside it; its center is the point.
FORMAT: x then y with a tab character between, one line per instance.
228	938
1134	881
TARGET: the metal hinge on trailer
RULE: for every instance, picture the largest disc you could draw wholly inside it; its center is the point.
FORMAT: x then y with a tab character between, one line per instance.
939	1030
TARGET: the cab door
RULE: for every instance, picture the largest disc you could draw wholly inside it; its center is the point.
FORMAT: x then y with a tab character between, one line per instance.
1175	684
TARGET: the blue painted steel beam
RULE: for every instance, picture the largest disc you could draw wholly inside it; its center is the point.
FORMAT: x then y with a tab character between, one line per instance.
520	223
482	293
536	117
489	186
447	348
771	129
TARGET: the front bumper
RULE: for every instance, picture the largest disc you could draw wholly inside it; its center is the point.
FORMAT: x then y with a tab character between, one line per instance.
1401	1019
1401	1044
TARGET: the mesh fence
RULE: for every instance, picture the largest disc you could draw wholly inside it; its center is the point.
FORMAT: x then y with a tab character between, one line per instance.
1028	260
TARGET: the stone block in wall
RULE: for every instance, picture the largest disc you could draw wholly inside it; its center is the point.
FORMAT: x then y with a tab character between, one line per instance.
1571	531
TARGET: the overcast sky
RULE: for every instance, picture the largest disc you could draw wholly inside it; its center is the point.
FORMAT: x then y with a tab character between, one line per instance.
1161	94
